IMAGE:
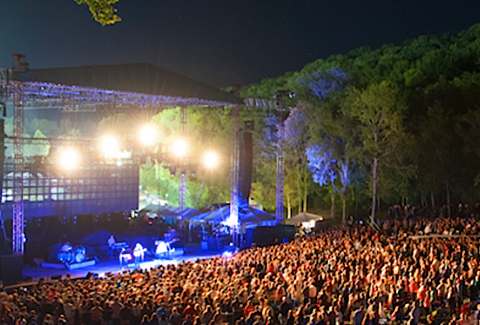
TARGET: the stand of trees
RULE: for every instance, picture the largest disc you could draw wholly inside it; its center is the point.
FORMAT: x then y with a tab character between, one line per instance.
387	126
366	130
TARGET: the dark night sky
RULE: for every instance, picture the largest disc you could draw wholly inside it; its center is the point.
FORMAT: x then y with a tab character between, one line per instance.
220	42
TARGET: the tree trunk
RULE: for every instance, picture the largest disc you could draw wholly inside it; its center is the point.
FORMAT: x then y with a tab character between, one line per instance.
305	194
344	208
289	207
448	199
432	198
332	207
356	201
374	187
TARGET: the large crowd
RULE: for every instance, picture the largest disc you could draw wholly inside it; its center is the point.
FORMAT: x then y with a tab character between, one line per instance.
359	275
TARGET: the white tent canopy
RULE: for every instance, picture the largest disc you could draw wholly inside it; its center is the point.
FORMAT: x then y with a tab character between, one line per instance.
304	217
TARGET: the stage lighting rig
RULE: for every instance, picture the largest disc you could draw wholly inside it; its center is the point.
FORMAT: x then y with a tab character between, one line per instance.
109	146
148	135
180	148
211	160
69	158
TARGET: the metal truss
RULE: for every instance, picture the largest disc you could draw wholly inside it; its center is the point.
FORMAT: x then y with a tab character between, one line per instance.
42	95
234	179
182	190
280	169
18	168
77	98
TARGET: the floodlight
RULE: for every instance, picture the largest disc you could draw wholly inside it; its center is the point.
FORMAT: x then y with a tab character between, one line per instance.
148	134
210	160
69	158
180	148
109	146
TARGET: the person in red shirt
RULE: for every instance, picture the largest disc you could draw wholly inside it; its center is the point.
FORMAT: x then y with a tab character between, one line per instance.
421	293
249	308
270	268
189	311
413	288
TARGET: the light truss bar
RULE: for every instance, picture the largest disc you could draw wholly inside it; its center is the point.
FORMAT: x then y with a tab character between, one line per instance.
263	103
48	95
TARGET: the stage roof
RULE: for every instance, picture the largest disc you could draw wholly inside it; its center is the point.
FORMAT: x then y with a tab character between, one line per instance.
140	78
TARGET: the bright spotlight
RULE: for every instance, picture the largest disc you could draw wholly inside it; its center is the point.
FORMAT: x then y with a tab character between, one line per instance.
211	160
110	146
148	134
180	148
69	159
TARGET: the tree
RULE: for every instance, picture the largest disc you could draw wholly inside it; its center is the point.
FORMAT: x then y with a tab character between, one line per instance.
38	147
47	127
265	138
297	175
379	112
323	83
328	167
331	147
102	10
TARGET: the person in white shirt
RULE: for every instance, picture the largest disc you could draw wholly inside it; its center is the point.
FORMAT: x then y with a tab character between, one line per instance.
138	253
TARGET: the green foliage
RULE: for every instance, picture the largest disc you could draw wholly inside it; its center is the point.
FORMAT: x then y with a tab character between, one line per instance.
39	147
73	134
102	10
47	127
204	131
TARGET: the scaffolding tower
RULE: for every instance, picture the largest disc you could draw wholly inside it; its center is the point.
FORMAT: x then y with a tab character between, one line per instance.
280	168
234	179
18	168
182	190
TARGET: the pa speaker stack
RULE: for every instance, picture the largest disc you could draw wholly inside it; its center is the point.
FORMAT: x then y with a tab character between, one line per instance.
11	269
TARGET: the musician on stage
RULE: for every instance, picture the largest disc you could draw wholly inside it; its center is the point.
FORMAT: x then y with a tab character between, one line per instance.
66	248
139	254
65	254
111	244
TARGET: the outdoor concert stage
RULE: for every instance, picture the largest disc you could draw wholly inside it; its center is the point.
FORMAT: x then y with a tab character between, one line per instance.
113	266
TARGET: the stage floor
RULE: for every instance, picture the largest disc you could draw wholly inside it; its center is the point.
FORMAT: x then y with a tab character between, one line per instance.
112	266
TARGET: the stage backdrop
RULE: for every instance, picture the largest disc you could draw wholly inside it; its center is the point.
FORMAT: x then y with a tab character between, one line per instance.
96	188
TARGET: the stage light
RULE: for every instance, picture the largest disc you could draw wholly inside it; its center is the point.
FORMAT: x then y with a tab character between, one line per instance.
231	221
180	148
227	254
110	146
148	135
69	159
210	160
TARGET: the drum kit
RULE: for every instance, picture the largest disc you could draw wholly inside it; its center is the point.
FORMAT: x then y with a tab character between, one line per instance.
73	255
